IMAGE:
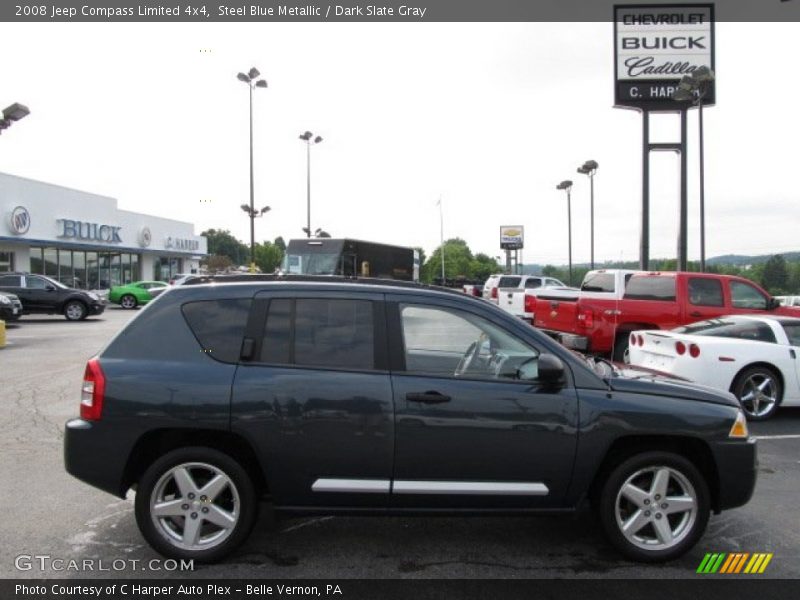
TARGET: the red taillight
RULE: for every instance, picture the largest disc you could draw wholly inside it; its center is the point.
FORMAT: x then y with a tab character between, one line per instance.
586	319
494	292
680	348
93	391
633	340
640	339
694	350
530	304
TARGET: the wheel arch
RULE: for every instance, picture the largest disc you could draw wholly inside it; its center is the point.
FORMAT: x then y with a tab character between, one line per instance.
156	443
693	449
764	365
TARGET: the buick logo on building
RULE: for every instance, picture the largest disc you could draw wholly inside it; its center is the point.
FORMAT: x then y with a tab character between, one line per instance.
20	220
145	237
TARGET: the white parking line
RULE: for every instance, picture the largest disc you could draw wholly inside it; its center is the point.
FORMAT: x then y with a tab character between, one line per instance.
777	437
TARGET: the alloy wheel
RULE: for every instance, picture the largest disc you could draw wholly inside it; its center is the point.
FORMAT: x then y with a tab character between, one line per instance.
195	506
759	394
656	508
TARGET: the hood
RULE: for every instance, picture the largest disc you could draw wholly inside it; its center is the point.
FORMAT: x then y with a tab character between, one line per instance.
645	381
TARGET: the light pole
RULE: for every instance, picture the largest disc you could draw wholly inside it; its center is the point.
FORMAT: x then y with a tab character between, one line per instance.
253	214
250	80
13	113
310	140
694	88
590	168
566	185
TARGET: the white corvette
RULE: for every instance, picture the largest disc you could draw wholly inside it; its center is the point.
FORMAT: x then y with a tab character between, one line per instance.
756	358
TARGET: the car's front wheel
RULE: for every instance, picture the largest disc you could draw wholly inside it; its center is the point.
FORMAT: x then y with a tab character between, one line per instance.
75	310
195	503
128	301
655	506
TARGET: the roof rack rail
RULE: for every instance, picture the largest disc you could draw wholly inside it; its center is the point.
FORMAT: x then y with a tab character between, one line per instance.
256	277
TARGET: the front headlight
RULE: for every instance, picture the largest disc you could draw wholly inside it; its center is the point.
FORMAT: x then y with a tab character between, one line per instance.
93	296
739	428
5	300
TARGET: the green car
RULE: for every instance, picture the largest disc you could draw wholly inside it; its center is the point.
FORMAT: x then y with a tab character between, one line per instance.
136	293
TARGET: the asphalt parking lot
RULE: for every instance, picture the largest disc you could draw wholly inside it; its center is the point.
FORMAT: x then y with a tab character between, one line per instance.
48	513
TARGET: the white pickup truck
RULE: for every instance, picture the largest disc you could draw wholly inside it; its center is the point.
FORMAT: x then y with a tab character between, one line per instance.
513	290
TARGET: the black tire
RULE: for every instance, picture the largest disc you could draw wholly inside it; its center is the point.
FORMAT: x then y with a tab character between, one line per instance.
75	310
129	300
159	535
621	348
688	526
744	384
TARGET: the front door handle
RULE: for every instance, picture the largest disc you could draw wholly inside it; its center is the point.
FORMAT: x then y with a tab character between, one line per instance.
695	314
427	397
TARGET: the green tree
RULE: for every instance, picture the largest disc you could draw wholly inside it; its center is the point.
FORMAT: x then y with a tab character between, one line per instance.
774	277
215	263
457	261
222	243
268	257
483	266
280	243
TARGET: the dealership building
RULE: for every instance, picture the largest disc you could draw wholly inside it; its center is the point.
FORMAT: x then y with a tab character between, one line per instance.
84	240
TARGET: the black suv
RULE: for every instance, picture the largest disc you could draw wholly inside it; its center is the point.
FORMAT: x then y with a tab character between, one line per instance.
40	294
10	307
337	396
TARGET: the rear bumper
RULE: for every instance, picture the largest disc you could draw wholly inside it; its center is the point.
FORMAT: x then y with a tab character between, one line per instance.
569	340
92	453
737	467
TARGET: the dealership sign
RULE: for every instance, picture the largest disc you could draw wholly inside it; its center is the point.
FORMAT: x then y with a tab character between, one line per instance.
655	46
95	232
511	237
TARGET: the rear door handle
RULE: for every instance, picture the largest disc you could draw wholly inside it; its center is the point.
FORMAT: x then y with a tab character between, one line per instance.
427	397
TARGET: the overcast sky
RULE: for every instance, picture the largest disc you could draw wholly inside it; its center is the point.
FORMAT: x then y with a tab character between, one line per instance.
489	116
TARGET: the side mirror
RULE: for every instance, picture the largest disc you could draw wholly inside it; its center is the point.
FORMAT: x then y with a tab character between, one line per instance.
546	368
773	303
50	287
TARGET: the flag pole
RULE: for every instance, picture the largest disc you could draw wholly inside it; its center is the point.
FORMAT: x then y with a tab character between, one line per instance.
441	235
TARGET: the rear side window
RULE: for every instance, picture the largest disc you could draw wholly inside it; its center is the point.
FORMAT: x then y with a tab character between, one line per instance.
509	282
219	326
598	282
705	292
10	281
320	332
651	287
533	283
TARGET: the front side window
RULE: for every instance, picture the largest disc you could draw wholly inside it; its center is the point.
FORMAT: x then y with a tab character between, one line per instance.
744	295
35	283
326	333
731	327
451	343
705	292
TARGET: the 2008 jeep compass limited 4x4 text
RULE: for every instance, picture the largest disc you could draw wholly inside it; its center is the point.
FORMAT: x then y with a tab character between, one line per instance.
378	397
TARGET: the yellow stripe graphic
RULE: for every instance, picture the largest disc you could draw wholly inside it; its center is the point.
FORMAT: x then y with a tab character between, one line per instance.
765	563
755	563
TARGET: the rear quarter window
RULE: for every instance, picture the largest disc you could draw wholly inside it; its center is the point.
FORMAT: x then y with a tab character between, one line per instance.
218	326
651	287
506	282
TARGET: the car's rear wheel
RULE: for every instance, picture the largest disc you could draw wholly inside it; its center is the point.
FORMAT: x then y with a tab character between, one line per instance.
621	353
195	503
75	310
128	301
759	392
655	506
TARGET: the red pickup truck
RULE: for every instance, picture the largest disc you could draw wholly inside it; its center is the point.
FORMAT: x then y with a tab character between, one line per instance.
600	325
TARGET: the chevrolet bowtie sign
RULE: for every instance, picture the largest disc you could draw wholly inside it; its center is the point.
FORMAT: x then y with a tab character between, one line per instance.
655	46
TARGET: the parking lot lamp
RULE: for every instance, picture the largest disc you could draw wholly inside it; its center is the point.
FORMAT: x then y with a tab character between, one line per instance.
310	140
13	113
250	79
566	185
694	88
590	168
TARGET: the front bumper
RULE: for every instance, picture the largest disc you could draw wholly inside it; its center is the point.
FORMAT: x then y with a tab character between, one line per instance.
737	468
97	308
10	312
